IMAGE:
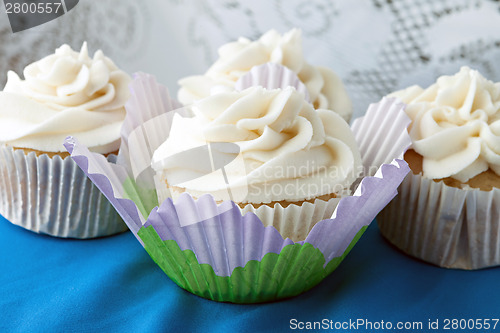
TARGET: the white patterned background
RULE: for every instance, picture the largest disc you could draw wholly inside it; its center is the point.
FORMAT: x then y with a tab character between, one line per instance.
376	46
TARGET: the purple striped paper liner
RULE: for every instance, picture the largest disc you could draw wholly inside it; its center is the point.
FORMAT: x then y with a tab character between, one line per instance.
148	100
272	76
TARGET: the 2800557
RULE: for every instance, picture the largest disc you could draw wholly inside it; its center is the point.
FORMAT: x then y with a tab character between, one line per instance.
33	8
470	324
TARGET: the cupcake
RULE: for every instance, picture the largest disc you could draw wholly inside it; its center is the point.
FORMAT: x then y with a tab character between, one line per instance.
65	93
203	239
324	87
447	212
275	155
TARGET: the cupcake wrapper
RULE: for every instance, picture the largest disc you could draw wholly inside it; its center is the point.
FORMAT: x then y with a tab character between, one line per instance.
294	221
443	225
214	251
53	196
272	76
231	257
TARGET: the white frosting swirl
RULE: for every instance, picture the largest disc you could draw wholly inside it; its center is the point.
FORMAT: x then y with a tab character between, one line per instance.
66	93
237	58
455	125
290	151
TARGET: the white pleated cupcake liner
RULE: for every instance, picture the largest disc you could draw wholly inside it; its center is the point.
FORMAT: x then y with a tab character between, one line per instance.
215	251
444	225
53	196
375	145
295	220
272	76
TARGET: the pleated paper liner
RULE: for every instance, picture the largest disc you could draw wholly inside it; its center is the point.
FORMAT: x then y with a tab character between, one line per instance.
272	76
294	221
211	249
231	257
444	225
53	196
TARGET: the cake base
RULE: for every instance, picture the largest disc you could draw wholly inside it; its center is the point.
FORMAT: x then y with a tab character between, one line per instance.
62	154
485	181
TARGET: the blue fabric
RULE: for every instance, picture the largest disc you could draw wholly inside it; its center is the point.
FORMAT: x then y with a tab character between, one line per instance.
110	284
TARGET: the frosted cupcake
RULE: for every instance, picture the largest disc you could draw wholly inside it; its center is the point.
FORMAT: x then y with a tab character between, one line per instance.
324	87
66	93
290	164
447	212
203	239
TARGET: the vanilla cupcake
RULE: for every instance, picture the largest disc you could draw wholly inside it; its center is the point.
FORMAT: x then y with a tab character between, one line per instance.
66	93
325	88
274	154
208	244
447	212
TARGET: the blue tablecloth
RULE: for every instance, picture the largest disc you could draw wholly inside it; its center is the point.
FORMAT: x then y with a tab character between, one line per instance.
111	284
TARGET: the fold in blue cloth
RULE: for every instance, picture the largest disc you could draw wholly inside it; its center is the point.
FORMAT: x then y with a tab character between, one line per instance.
110	284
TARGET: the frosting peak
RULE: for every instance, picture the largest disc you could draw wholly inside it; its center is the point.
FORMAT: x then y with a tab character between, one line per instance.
282	141
66	93
455	125
237	58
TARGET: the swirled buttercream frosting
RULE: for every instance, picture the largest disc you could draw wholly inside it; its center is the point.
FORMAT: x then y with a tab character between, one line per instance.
66	93
237	58
285	149
455	125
